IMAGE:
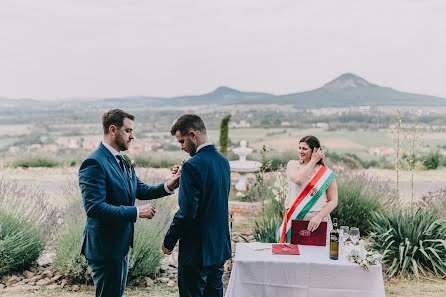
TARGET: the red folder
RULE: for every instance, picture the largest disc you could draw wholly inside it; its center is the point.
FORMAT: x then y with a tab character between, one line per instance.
300	234
288	249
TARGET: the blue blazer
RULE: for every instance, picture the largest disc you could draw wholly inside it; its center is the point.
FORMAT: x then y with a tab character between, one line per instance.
109	198
201	224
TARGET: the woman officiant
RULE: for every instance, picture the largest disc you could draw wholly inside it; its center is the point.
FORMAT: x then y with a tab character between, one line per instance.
312	189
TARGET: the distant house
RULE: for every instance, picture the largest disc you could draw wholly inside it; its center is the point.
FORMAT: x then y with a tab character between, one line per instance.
285	124
322	125
90	143
34	147
68	143
241	124
49	148
381	151
137	146
14	149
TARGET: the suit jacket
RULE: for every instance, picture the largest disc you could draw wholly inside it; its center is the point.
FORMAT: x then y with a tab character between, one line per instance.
201	223
109	197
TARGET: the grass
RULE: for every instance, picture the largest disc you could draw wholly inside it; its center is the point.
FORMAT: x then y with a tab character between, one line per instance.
411	287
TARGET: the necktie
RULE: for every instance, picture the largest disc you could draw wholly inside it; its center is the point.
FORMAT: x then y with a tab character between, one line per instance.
124	169
121	163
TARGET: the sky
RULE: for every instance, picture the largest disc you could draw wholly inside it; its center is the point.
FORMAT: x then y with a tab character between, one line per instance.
54	49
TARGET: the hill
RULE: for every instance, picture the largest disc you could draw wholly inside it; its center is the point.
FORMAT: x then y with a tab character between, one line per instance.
344	91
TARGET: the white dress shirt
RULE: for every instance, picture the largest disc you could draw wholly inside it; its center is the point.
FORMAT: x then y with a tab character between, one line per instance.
202	146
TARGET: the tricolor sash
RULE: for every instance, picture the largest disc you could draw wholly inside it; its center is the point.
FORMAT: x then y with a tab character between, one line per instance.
305	201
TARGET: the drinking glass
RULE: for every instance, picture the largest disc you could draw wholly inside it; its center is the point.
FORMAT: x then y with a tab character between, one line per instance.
343	235
354	235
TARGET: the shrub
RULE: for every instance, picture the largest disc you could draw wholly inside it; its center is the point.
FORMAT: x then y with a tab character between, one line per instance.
358	197
411	242
43	161
265	231
265	228
20	244
435	200
149	162
146	254
35	162
67	259
24	223
432	160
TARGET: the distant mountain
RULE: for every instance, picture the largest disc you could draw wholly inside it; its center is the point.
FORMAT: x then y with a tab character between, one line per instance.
346	90
222	95
352	90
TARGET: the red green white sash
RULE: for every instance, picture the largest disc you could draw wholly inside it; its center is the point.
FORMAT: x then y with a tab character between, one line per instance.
305	201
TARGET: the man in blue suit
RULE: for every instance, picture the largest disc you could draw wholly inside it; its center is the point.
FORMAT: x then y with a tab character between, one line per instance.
109	187
201	223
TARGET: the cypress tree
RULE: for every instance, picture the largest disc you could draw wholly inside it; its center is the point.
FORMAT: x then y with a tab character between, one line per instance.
224	131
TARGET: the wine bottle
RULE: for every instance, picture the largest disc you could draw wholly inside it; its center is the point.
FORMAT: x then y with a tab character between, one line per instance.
334	240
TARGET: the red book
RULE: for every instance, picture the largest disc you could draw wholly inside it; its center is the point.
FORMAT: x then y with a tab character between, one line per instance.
285	249
300	234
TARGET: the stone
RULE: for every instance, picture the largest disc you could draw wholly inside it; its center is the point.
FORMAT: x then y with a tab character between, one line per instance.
28	288
171	283
75	288
20	283
63	283
4	279
56	278
12	280
149	282
163	280
34	279
164	268
46	258
2	286
48	273
43	282
52	287
33	269
28	274
31	284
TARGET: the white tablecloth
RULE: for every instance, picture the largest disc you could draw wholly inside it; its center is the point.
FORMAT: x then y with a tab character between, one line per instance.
310	274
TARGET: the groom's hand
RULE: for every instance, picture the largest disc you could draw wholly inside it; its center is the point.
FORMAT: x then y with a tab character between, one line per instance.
174	182
146	211
165	251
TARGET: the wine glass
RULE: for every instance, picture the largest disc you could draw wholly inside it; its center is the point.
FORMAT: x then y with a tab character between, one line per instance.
343	235
354	235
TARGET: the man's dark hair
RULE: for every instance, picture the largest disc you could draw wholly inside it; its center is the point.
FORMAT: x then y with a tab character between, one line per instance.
114	117
188	122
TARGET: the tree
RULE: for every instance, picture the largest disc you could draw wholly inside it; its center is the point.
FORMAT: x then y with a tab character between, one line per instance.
224	131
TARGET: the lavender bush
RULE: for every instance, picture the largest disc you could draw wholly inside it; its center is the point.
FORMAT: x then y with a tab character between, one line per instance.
359	197
435	200
25	219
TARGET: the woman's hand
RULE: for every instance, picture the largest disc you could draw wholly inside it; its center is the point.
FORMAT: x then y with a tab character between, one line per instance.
314	223
317	154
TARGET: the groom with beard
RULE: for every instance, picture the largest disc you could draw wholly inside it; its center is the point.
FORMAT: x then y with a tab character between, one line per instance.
201	223
109	187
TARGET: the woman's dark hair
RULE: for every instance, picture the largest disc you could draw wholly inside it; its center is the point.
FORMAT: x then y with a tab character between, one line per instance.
313	143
